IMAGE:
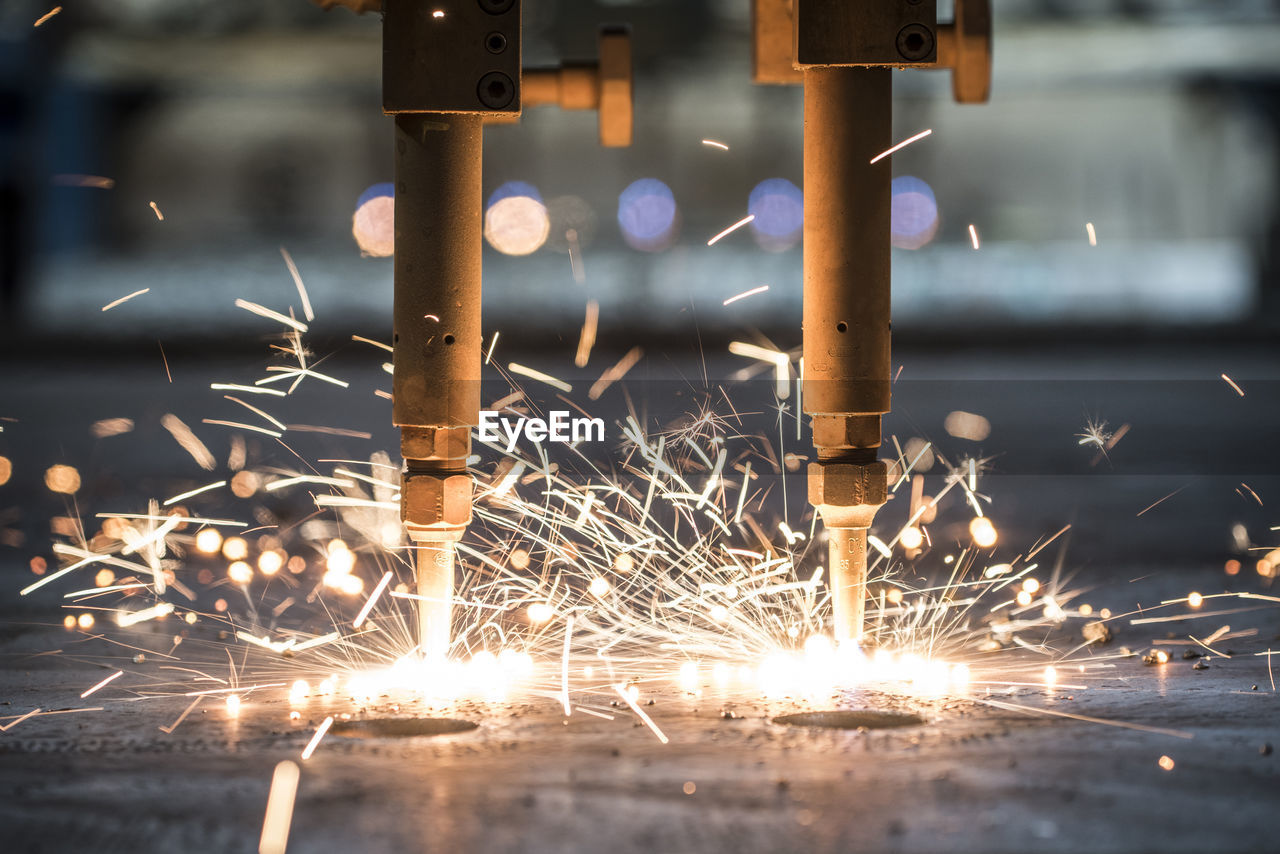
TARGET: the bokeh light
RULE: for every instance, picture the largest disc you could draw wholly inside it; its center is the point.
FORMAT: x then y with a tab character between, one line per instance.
647	215
778	208
913	213
6	470
63	479
373	224
516	220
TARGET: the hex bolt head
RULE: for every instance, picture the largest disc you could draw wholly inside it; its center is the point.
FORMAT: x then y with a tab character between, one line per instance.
915	42
495	90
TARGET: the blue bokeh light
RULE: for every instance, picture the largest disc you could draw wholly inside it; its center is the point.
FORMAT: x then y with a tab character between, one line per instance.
778	208
913	213
386	188
647	215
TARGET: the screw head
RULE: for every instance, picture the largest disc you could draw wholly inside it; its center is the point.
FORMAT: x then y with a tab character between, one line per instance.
495	90
915	42
495	42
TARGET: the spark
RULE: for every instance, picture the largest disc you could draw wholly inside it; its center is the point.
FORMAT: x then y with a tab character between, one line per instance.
1232	383
297	281
564	667
304	478
104	683
523	371
1093	235
731	229
373	597
882	155
1035	551
587	338
615	373
155	612
124	299
746	294
183	436
156	209
973	236
239	425
780	361
1160	501
1095	433
494	343
263	311
315	739
96	181
622	692
711	143
438	13
46	16
256	411
1174	733
377	344
168	730
194	492
17	721
1249	489
275	824
168	373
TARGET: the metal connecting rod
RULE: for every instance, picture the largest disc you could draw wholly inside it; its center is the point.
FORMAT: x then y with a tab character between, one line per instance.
437	339
847	122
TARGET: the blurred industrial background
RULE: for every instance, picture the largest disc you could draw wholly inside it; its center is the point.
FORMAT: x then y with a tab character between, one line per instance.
257	125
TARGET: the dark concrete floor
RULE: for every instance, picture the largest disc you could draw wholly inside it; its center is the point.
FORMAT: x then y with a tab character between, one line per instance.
974	778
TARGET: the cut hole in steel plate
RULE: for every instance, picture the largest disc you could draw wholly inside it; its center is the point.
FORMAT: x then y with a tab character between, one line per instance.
401	727
851	719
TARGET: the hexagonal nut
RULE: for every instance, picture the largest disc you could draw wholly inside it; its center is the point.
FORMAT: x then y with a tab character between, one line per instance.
848	484
846	431
435	443
615	87
435	501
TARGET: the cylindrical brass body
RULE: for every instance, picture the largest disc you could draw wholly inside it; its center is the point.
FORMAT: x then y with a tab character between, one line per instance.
847	550
438	234
437	338
847	122
848	115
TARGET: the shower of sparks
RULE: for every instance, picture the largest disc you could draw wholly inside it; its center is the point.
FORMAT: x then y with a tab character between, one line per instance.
678	566
297	281
587	338
746	294
46	16
517	368
973	236
156	210
315	739
711	143
731	229
1093	235
104	683
125	299
1095	433
1233	385
882	155
275	824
